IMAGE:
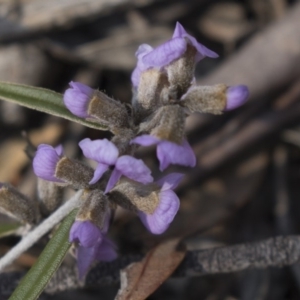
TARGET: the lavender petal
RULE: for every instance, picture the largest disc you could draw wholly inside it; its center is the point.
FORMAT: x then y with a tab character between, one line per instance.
102	151
77	98
100	170
134	169
114	178
165	53
85	257
106	251
59	150
202	51
170	181
86	233
164	214
45	161
82	88
145	140
179	31
236	96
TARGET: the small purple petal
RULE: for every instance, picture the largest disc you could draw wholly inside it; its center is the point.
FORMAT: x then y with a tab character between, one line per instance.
171	153
142	50
100	170
102	151
45	161
59	150
179	31
85	257
170	181
86	233
134	169
165	53
114	178
77	98
82	88
164	214
236	96
202	51
106	251
145	140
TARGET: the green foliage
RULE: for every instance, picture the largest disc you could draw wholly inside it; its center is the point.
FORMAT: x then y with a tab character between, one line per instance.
8	228
40	274
42	100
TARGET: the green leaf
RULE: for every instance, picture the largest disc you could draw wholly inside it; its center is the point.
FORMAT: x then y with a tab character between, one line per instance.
8	229
42	100
34	282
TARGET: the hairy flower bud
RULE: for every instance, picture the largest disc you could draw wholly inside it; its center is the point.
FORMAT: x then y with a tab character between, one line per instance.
77	99
49	195
214	99
17	205
168	52
152	89
95	208
167	123
45	161
108	111
181	73
85	102
166	129
135	196
236	96
74	173
49	164
156	203
205	99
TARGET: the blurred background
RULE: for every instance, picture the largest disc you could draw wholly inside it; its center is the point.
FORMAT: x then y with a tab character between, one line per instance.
246	184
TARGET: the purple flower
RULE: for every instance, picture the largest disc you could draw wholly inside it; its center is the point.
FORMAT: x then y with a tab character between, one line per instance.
77	99
92	245
167	53
168	152
45	161
236	96
107	154
168	205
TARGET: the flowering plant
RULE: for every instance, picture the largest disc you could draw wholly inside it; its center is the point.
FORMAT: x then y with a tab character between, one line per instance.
164	94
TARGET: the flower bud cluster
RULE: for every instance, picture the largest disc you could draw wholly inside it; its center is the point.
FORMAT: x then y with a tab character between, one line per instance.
164	93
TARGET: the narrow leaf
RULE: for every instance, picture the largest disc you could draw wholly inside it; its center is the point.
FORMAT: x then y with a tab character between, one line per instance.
9	229
34	282
141	279
42	100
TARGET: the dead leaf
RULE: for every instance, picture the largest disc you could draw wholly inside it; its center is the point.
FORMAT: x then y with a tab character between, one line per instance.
141	279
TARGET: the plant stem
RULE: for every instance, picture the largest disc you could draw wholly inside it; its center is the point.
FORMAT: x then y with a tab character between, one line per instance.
33	236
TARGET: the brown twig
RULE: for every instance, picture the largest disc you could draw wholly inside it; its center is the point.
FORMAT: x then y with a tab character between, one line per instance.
273	252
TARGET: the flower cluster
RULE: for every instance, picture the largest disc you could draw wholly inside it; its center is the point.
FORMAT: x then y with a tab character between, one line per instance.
164	93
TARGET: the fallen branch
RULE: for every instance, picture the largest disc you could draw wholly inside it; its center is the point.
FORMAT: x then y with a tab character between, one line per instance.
273	252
